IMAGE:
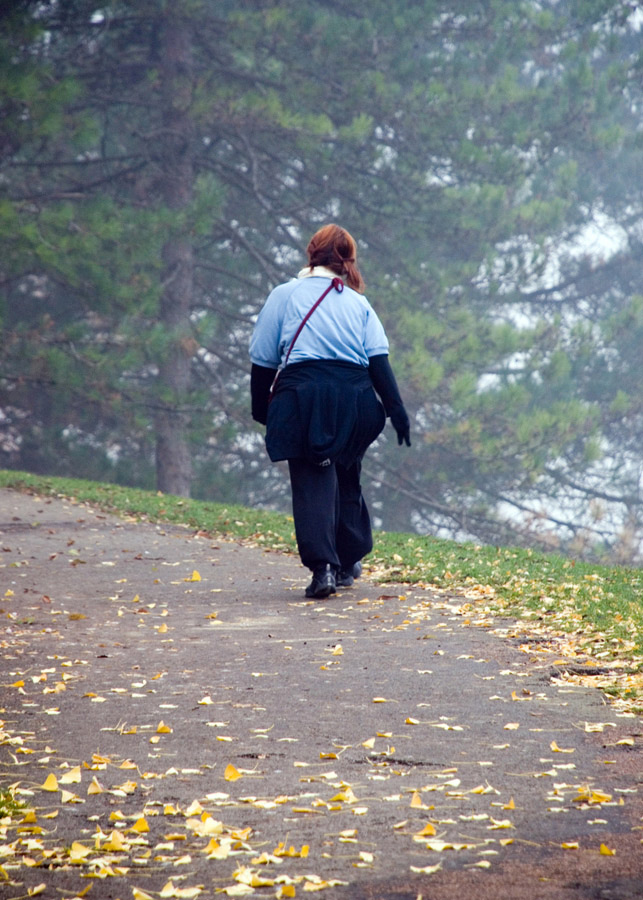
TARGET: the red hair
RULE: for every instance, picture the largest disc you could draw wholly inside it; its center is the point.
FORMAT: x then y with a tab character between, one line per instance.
334	248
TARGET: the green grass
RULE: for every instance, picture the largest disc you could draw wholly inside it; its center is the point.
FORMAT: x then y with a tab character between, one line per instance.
9	806
600	607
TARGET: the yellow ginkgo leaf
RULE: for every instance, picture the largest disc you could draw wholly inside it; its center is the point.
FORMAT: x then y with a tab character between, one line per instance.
79	852
570	845
369	744
162	629
510	805
554	746
162	728
426	870
29	817
410	721
185	893
428	830
345	796
140	826
194	809
238	890
231	773
604	850
70	797
50	783
140	895
71	777
328	755
116	843
416	801
95	787
193	577
286	890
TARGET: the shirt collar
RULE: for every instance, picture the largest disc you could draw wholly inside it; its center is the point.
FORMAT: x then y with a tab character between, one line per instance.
317	272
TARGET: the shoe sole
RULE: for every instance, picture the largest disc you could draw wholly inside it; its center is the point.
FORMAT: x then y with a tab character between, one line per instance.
322	593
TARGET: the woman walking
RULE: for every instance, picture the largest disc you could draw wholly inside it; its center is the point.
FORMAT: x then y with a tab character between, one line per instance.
325	341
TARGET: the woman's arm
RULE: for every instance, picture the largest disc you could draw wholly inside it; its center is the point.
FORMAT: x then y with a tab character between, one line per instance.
379	368
261	379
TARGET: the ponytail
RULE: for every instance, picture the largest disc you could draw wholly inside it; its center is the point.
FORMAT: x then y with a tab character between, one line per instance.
334	248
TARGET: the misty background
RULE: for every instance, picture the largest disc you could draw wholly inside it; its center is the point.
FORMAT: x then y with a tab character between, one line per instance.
163	165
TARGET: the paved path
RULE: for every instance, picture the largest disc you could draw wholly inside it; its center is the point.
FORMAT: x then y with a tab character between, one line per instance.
205	728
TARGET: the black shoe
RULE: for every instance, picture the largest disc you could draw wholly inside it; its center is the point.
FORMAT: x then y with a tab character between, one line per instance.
346	577
323	583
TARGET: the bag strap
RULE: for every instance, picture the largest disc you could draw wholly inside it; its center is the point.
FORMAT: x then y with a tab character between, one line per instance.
336	283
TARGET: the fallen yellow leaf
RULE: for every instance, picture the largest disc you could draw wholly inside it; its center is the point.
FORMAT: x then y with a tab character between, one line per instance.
140	895
95	787
286	890
604	850
50	783
162	728
116	843
231	773
426	870
79	852
416	801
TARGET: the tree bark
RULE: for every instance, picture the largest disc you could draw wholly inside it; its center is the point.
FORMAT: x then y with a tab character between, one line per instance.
173	462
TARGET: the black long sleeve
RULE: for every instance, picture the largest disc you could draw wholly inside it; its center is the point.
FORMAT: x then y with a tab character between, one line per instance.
385	384
261	379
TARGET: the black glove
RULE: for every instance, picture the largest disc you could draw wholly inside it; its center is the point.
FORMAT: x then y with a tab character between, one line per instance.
401	424
261	379
385	384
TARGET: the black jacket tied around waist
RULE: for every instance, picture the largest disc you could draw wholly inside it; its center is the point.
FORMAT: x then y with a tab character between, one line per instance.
324	411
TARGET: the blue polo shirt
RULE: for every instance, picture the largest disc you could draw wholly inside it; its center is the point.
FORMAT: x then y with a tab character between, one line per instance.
344	326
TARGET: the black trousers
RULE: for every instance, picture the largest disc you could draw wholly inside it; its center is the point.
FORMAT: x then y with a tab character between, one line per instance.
332	524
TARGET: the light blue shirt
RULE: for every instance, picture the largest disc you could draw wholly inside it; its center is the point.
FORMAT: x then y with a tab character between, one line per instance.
344	326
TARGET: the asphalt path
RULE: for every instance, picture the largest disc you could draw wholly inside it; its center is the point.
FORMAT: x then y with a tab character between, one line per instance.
179	721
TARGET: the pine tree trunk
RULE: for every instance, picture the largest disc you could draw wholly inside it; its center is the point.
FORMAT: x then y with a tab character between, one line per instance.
173	463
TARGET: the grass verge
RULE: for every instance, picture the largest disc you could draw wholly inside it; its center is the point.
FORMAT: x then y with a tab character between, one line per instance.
593	612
